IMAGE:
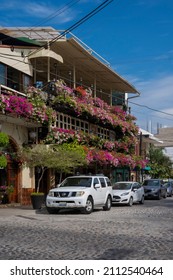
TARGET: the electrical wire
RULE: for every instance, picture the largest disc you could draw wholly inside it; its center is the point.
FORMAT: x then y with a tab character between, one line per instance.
145	106
51	16
78	23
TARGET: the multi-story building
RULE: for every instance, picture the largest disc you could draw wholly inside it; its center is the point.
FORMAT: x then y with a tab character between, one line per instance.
51	63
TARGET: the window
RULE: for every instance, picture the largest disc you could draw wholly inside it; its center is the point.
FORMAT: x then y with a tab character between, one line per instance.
13	78
2	74
108	182
96	181
103	133
118	98
68	122
102	181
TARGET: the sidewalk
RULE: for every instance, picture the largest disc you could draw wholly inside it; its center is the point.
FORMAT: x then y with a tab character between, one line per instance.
15	205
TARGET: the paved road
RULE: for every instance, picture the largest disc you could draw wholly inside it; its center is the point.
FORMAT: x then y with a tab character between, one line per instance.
137	232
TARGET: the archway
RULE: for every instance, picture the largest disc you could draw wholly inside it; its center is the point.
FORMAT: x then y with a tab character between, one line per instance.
10	175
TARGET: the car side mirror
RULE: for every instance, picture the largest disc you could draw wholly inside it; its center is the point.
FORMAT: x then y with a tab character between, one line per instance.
96	186
134	189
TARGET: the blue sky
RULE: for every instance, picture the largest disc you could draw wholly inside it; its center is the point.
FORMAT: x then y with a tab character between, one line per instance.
134	36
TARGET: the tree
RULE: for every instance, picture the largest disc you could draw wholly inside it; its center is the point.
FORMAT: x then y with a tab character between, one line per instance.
71	156
61	157
161	165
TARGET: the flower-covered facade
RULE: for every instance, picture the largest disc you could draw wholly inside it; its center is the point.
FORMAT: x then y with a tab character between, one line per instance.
71	99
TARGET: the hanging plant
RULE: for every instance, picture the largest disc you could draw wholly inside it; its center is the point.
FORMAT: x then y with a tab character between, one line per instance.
3	161
4	139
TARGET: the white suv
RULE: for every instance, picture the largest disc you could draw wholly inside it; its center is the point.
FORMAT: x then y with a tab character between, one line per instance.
80	192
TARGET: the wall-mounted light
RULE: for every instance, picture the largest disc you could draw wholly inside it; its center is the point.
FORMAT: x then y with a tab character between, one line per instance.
32	135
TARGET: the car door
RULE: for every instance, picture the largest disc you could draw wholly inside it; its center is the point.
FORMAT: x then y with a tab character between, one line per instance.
162	189
103	189
136	192
97	191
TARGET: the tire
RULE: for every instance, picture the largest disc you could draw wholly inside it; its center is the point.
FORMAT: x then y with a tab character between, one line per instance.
52	210
142	200
165	196
89	206
108	204
130	203
159	196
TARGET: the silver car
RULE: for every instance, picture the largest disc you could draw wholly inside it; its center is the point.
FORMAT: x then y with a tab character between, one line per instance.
169	187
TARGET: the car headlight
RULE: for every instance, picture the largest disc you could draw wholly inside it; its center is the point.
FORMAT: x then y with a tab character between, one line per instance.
126	193
79	193
51	193
154	190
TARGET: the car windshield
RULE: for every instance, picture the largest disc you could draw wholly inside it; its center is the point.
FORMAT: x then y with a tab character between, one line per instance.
122	186
153	183
76	182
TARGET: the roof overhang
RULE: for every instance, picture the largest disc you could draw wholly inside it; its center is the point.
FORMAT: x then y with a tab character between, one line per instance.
90	67
45	53
149	137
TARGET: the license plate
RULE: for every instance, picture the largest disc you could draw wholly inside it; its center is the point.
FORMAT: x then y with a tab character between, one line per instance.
62	204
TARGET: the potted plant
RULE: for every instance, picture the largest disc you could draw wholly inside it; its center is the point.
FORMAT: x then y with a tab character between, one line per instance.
61	157
5	192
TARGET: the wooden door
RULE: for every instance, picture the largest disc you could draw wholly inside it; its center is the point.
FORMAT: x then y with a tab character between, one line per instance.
12	179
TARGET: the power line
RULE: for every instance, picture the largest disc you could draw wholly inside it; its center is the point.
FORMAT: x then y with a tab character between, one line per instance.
145	106
78	23
56	13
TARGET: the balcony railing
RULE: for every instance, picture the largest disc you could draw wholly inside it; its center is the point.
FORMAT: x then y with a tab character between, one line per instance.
8	91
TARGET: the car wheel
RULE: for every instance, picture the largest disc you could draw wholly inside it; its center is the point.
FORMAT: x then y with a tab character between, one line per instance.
142	200
89	206
159	196
130	203
52	210
108	204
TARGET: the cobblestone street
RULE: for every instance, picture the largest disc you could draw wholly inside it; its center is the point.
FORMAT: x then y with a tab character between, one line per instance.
137	232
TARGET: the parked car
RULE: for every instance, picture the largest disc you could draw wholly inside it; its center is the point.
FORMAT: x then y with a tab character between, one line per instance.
154	188
169	187
81	192
128	192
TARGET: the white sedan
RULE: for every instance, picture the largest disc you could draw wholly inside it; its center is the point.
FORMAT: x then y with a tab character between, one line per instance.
128	192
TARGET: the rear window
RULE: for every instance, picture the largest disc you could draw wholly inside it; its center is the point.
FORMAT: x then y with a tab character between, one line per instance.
151	183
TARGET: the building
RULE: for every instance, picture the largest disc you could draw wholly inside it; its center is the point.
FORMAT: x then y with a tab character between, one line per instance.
42	61
165	134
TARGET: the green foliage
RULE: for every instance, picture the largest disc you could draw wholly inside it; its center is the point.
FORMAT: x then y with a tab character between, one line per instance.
65	99
161	165
60	157
70	155
37	193
3	161
4	139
